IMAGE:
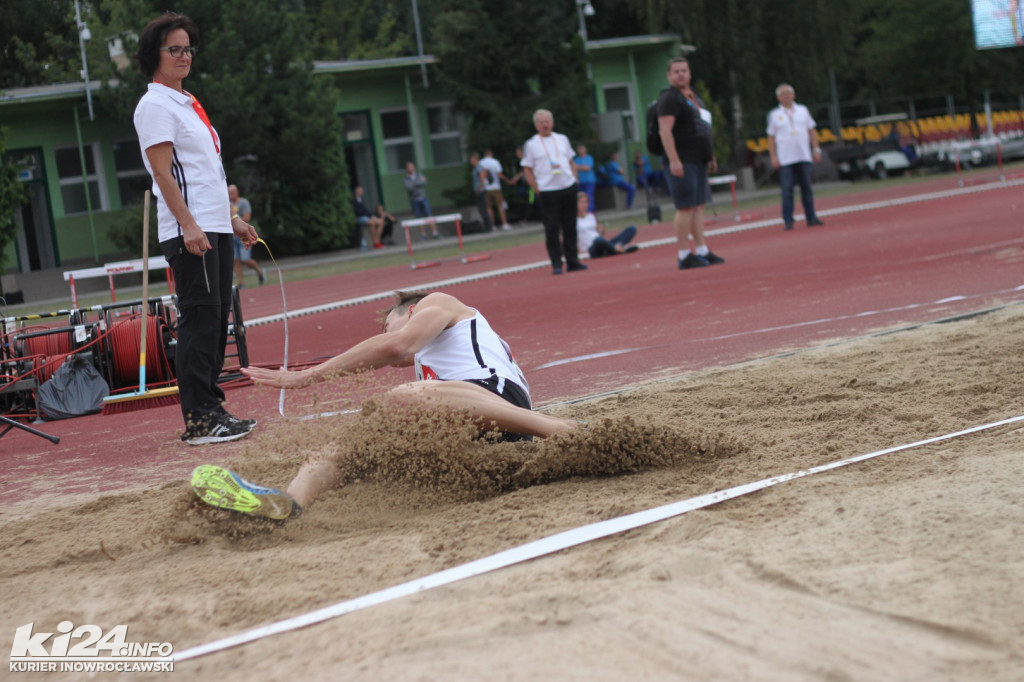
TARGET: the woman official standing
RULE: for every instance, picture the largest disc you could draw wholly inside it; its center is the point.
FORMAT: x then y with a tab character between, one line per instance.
181	151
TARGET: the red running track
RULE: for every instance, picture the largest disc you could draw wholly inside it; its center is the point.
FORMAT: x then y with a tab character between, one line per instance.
627	319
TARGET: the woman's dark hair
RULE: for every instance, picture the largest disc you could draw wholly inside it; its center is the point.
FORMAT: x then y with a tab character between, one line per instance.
153	36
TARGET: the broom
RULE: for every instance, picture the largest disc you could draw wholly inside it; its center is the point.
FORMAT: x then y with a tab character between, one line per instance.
142	399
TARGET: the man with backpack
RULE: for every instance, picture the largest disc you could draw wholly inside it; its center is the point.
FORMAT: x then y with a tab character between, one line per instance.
685	144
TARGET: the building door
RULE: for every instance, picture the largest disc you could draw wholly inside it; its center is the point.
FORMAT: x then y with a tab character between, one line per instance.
359	156
35	240
361	162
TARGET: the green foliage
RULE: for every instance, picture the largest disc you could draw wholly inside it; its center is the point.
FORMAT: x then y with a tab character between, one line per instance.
722	140
38	43
12	196
126	231
501	64
357	30
921	46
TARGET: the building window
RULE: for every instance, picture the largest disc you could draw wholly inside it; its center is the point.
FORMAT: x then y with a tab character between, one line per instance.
620	98
445	135
132	177
397	130
72	184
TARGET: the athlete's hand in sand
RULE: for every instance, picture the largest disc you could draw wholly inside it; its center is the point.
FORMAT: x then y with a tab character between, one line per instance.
279	378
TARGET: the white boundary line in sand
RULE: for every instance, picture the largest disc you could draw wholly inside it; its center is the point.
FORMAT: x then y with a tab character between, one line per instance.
853	208
545	546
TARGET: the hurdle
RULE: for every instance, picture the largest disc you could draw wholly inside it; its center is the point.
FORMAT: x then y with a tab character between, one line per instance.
731	181
433	221
975	151
110	269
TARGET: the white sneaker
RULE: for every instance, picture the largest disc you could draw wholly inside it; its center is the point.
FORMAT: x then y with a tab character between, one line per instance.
506	226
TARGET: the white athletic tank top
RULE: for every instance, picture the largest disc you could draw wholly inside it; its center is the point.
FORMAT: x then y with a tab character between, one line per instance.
469	349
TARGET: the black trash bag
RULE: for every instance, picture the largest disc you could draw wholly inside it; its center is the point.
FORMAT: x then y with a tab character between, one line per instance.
76	388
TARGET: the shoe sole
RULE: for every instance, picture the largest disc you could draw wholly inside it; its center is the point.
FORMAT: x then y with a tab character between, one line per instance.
206	440
224	489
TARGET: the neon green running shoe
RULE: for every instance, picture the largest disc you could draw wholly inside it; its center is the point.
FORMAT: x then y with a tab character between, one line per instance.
225	489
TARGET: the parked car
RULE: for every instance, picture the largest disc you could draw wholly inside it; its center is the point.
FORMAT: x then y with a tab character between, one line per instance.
878	159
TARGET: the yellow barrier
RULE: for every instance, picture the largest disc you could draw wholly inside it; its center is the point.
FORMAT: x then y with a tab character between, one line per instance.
928	129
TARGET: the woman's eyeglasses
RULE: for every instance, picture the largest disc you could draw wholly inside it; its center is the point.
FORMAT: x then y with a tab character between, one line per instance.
178	51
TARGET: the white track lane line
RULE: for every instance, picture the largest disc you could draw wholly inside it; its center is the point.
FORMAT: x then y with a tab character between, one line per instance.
384	295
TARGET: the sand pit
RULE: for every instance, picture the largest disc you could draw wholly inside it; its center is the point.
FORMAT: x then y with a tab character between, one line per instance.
907	567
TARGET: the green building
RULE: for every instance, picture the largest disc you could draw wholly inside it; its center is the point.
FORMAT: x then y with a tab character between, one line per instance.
80	173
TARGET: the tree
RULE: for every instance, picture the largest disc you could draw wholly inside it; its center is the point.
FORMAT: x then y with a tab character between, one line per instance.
917	47
501	64
358	30
746	47
38	43
12	196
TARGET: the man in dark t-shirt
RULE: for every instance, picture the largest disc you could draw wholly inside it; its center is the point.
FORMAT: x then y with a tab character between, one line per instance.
685	129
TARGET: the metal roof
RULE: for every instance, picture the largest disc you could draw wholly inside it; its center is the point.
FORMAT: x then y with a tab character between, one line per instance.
638	41
42	93
59	91
346	66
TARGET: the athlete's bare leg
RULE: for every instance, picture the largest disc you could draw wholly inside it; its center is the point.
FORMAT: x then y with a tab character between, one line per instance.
484	406
316	477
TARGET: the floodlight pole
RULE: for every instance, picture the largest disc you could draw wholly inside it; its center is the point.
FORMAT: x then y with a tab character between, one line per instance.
419	41
580	5
83	35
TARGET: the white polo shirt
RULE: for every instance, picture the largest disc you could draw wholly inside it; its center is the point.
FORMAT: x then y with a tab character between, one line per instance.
166	115
790	128
586	231
493	165
551	160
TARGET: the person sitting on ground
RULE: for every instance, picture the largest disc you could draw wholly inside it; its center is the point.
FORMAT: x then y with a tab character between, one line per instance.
366	219
592	234
646	176
462	365
613	171
387	222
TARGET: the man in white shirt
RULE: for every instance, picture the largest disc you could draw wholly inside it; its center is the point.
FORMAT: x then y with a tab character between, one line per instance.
492	187
551	173
793	144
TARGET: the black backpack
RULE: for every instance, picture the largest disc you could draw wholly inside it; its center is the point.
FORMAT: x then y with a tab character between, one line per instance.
654	145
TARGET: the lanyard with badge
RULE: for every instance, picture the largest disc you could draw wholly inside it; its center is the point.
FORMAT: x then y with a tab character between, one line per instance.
691	99
198	108
791	113
556	167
